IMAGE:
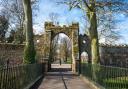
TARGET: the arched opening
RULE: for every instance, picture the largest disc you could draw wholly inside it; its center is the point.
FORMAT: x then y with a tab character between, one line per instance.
84	57
61	51
85	48
71	31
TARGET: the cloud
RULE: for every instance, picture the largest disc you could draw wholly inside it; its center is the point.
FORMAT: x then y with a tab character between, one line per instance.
1	9
102	40
38	29
47	6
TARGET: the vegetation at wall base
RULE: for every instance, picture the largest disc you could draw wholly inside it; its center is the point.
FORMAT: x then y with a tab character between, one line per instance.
69	61
29	54
106	76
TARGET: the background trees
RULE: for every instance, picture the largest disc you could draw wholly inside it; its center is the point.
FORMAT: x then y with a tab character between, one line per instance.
13	11
66	47
3	27
94	11
89	8
54	47
54	17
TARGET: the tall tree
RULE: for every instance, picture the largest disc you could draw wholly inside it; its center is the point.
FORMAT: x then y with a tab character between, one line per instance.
54	46
29	51
91	13
91	8
106	26
11	38
13	10
54	17
66	47
3	27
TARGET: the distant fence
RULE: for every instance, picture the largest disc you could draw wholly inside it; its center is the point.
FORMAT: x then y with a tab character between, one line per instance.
19	77
106	76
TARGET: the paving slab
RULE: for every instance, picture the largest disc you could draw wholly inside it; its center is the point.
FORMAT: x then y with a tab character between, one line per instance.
63	80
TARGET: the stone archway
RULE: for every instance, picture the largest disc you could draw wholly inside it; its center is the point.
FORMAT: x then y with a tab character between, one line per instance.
85	46
72	31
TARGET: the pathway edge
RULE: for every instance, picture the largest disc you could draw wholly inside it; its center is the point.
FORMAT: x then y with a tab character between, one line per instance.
95	85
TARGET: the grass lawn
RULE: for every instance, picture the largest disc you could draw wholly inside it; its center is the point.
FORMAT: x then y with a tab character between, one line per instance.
69	61
117	83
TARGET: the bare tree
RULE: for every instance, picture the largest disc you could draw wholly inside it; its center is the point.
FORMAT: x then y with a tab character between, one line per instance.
3	28
54	46
13	10
91	8
66	47
54	17
106	27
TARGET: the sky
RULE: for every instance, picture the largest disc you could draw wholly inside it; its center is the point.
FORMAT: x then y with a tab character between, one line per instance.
75	15
65	15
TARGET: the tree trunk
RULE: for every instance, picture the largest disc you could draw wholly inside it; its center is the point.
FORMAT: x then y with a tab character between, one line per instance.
94	40
94	45
29	51
66	57
93	34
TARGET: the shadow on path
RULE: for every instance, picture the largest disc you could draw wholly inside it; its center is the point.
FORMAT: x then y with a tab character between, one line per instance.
62	78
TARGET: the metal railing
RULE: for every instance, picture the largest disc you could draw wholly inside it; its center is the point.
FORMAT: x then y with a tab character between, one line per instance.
19	77
107	76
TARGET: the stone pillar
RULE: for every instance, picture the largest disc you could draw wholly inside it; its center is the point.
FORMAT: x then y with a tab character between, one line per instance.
73	58
48	44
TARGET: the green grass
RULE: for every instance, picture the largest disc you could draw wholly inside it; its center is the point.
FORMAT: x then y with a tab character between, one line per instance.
116	83
69	61
108	77
117	80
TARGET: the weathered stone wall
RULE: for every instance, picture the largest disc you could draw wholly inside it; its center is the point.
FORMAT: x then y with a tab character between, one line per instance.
14	52
111	55
84	46
114	55
42	46
11	53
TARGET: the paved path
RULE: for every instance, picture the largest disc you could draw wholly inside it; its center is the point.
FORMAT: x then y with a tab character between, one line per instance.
58	79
